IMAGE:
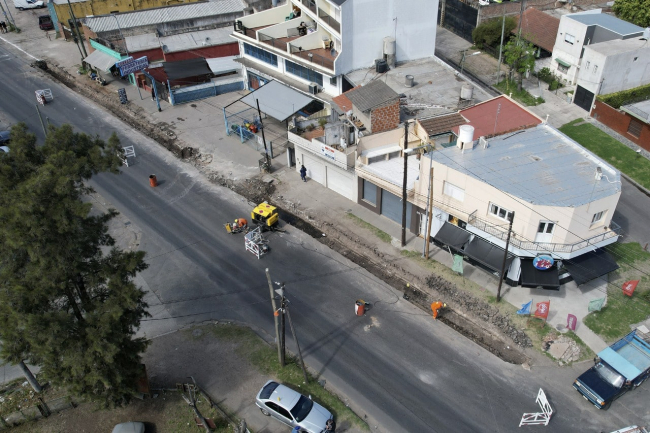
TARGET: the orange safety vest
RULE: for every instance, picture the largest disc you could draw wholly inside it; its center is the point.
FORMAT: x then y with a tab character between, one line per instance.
435	307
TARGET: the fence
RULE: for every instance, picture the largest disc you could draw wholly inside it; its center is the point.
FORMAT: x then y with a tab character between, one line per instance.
43	409
205	90
275	132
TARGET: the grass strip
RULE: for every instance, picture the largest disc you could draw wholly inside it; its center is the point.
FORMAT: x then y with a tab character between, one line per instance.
377	232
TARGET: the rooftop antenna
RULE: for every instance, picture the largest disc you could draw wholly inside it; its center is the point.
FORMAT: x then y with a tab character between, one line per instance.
496	119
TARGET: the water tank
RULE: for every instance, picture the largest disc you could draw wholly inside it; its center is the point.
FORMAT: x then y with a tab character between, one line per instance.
408	81
389	50
465	135
466	91
381	66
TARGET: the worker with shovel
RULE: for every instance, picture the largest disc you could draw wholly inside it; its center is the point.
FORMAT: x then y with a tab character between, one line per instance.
436	307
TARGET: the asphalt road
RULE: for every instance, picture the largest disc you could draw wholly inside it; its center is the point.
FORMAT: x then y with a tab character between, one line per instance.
398	367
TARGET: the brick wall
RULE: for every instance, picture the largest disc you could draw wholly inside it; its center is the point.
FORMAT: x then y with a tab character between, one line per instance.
619	122
223	50
385	118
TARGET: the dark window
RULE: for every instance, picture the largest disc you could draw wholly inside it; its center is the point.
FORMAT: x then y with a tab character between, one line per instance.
333	80
305	73
562	68
260	54
278	409
268	389
302	408
635	128
369	192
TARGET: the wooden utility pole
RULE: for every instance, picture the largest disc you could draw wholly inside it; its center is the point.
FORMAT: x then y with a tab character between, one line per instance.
406	145
283	329
266	152
30	377
275	316
428	240
78	35
505	257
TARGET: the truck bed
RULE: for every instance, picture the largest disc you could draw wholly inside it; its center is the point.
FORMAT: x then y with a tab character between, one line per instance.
630	356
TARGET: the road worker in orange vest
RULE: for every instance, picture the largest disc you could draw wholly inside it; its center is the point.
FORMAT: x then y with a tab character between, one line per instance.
435	308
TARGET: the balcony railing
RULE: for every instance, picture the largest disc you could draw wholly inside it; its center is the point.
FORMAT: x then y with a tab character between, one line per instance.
310	5
329	20
274	42
527	245
312	57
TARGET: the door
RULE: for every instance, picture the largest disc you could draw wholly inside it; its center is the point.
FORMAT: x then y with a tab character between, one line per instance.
342	183
583	98
391	207
544	232
315	169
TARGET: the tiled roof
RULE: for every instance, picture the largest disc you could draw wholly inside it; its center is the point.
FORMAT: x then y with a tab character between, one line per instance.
371	95
498	116
441	124
539	28
343	101
127	20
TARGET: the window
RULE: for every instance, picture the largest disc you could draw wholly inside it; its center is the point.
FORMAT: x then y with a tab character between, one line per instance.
562	68
500	212
453	191
333	81
369	192
393	155
595	69
569	39
260	54
279	410
634	128
304	73
597	217
587	65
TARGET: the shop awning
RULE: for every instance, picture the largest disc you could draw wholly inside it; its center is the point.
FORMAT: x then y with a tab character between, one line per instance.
533	277
452	235
223	65
186	68
487	254
277	100
101	61
590	266
563	63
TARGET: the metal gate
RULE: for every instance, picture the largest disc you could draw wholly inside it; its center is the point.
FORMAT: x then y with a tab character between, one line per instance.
391	207
583	98
458	17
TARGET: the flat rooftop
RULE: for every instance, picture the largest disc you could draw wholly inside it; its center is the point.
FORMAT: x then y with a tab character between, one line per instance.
180	42
540	165
617	46
608	22
436	85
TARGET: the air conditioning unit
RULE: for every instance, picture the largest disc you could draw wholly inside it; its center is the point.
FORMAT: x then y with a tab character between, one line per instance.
313	88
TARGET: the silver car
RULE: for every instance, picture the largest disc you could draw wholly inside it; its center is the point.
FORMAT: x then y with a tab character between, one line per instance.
294	409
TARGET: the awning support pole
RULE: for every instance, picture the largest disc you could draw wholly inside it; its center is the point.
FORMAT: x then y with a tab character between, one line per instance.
511	217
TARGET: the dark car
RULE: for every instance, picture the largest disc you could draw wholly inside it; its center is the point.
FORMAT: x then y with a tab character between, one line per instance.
45	22
4	140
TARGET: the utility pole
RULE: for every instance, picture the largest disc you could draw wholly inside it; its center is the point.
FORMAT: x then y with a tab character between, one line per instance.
406	145
76	27
283	330
30	377
275	315
428	241
505	257
10	18
503	28
41	119
295	338
266	152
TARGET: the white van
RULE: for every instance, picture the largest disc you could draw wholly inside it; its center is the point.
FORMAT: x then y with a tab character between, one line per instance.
28	4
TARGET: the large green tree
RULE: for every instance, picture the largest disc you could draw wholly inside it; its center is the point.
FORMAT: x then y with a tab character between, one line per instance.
634	11
519	55
489	32
67	298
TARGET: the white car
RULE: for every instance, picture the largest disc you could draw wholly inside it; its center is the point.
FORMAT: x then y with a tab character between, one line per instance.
28	4
129	427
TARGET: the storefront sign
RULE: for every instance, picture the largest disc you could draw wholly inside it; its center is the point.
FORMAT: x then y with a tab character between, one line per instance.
328	152
131	65
543	262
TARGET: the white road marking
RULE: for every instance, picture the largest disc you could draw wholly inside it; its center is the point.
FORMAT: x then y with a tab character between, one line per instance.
18	48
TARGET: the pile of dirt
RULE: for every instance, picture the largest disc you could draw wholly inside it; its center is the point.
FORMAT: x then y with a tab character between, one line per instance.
561	347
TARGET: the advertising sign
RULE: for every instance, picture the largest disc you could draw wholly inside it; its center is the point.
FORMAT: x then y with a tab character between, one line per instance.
328	152
131	65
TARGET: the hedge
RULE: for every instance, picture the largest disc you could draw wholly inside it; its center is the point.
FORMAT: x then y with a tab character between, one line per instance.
615	100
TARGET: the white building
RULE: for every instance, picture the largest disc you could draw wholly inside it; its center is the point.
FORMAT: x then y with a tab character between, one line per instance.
576	31
612	66
311	44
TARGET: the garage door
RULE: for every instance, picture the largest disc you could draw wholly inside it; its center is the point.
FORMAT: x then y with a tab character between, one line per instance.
583	98
315	169
342	183
391	207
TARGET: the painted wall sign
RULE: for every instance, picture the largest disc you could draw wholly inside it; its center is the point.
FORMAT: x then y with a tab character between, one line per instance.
131	65
543	262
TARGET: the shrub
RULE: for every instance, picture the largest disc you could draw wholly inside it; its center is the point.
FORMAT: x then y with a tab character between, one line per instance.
554	85
630	96
322	122
545	75
489	32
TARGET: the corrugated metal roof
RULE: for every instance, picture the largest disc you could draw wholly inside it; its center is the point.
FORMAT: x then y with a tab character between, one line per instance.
608	22
167	14
181	42
371	95
277	100
539	165
221	65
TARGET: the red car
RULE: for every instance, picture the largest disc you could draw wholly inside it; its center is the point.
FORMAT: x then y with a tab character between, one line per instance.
45	22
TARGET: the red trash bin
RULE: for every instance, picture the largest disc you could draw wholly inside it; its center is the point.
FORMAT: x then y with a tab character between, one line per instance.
360	307
153	181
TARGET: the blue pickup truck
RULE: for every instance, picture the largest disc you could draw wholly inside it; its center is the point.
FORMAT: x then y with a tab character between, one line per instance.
621	367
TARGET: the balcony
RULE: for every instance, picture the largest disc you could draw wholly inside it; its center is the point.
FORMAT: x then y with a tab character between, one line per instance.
549	247
329	20
309	4
318	56
280	43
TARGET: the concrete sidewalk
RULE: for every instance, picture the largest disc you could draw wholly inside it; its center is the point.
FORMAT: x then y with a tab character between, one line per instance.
200	125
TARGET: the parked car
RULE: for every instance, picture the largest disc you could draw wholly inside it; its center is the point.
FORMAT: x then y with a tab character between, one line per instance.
293	408
28	4
45	22
129	427
4	140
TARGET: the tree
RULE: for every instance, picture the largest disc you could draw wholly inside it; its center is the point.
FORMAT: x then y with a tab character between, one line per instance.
520	57
67	298
634	11
489	32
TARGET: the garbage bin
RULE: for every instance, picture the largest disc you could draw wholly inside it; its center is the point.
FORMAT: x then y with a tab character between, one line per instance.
360	307
153	181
